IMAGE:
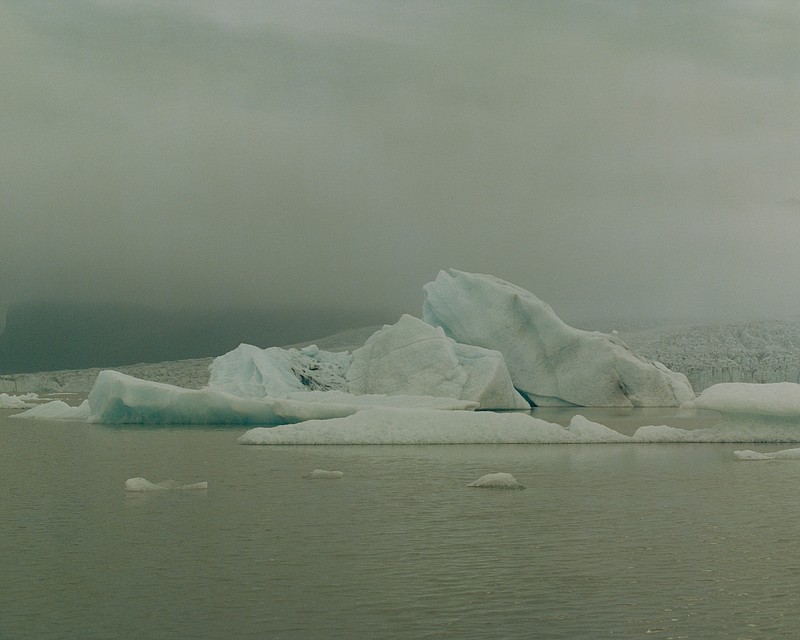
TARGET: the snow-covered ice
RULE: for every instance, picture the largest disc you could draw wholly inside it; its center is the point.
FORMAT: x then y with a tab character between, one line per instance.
413	357
500	480
142	484
549	361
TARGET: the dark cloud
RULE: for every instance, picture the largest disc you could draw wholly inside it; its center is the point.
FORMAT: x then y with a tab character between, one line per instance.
616	158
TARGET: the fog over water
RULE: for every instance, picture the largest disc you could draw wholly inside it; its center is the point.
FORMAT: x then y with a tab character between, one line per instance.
618	159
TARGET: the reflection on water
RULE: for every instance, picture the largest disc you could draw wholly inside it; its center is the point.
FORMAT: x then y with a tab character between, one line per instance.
624	541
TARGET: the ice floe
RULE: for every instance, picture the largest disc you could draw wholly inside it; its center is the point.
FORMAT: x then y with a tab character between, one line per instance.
23	401
499	480
785	454
56	410
777	399
323	474
142	484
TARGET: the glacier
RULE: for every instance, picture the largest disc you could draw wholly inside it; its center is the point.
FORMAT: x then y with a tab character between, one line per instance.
550	362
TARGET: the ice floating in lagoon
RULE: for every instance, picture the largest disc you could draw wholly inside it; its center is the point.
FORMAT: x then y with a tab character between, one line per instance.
17	402
322	474
120	399
142	484
382	425
785	454
56	410
496	481
411	356
387	426
774	400
549	361
250	372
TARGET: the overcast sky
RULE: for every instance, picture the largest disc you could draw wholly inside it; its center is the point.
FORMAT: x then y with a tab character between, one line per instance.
615	158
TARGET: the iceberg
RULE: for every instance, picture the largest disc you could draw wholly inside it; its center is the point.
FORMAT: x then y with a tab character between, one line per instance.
250	372
142	484
784	454
413	357
550	362
24	401
775	400
322	474
57	410
496	481
387	425
117	398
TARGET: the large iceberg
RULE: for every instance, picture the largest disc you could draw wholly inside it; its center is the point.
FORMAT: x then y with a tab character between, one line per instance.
549	361
121	399
250	372
413	357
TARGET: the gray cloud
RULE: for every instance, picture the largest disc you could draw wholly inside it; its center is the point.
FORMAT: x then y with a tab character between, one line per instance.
616	158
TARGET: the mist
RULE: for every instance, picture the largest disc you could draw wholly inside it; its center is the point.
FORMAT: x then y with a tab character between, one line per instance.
618	159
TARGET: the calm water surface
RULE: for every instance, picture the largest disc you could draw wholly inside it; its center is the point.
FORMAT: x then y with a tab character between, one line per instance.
607	541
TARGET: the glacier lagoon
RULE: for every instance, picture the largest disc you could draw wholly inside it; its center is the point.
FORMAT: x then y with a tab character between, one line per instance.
607	540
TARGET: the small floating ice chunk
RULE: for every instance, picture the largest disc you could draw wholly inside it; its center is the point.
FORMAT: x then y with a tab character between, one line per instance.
56	410
324	475
142	484
24	401
785	454
496	481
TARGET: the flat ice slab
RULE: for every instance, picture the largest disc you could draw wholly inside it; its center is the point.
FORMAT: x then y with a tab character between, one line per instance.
142	484
777	399
323	474
423	426
784	454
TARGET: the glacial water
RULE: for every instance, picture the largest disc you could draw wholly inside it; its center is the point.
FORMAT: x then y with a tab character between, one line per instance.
606	541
